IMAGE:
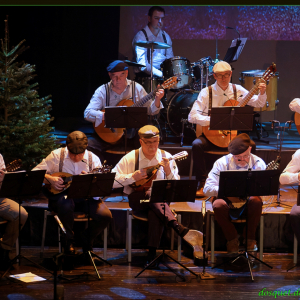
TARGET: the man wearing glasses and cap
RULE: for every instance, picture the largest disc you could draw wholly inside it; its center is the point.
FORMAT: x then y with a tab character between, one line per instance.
240	158
221	91
74	159
130	169
111	94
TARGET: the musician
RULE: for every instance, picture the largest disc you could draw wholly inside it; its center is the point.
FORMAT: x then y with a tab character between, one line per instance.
222	90
130	169
9	211
240	158
153	32
111	94
74	159
291	175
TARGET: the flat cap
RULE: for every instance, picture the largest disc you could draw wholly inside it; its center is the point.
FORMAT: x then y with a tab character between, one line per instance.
76	142
148	132
221	66
240	144
117	66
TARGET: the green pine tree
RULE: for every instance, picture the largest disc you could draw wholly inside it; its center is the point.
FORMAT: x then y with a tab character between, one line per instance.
24	117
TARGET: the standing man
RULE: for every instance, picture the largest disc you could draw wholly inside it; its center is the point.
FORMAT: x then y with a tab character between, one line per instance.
153	32
240	158
130	169
221	91
110	94
9	211
74	159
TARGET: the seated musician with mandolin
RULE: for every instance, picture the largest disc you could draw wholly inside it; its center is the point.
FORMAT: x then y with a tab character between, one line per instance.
240	158
116	93
61	164
135	171
291	175
9	211
217	95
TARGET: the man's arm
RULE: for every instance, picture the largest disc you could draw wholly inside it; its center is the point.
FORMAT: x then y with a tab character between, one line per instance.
290	174
256	100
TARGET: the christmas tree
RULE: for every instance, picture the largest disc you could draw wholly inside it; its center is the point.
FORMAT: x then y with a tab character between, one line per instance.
24	117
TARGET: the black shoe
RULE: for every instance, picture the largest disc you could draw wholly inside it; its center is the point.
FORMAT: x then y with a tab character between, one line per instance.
150	257
4	259
180	229
69	248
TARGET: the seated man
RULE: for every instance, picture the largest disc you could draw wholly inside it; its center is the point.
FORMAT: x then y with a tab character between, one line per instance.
74	159
111	94
240	158
130	169
9	211
291	175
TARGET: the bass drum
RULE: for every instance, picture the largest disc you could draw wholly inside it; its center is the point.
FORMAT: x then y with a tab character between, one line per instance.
249	78
179	108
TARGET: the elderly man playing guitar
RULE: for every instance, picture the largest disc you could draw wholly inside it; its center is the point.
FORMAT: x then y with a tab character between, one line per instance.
240	158
112	94
131	171
73	159
215	96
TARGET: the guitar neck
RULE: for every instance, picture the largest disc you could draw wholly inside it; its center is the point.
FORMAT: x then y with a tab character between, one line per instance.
250	94
145	99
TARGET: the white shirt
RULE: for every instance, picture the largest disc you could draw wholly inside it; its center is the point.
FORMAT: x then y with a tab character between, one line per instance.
199	111
126	167
2	163
290	173
93	111
225	163
159	55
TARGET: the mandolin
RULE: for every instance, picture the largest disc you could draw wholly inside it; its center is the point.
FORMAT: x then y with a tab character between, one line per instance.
113	135
13	166
151	171
222	138
67	178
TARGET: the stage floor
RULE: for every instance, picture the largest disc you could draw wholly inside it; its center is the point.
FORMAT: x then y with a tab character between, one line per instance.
232	281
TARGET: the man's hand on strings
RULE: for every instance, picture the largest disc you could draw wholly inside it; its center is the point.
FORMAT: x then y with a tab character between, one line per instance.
139	175
165	163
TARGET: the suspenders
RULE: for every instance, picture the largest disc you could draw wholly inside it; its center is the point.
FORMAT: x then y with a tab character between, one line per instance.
108	93
148	50
62	157
136	164
210	95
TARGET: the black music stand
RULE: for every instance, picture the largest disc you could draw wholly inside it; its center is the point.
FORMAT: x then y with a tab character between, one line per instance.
17	185
245	184
167	191
125	117
235	50
87	186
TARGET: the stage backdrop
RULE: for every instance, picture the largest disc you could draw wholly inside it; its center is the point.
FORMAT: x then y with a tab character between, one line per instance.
273	36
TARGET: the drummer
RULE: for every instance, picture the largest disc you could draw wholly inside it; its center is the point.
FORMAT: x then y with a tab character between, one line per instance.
222	90
152	32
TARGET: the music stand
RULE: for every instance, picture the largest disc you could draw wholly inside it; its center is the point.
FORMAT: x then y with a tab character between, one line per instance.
125	117
18	185
245	184
87	186
235	50
167	191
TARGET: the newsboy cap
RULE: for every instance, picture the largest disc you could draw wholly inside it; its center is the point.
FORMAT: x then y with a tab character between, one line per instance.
148	132
221	66
117	66
76	142
240	144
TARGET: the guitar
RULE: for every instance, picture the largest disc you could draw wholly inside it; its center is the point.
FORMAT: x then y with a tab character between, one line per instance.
222	138
236	202
144	184
13	166
113	135
67	178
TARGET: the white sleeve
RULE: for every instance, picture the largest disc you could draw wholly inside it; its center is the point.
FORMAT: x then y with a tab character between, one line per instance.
211	187
290	173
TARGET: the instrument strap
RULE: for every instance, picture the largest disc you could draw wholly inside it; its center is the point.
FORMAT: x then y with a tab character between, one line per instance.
210	98
62	158
136	165
107	94
165	40
148	49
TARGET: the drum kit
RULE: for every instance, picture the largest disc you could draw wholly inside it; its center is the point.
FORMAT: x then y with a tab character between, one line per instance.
192	77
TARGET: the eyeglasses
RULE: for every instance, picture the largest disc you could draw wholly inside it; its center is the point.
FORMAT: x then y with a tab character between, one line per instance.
219	76
150	143
241	156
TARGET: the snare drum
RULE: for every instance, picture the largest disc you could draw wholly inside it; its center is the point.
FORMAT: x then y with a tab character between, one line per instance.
180	67
249	78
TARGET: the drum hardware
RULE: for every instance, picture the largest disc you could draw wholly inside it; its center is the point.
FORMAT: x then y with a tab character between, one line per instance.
190	126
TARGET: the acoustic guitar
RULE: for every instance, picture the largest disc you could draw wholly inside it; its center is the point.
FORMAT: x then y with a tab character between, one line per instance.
112	135
67	178
13	166
145	184
222	138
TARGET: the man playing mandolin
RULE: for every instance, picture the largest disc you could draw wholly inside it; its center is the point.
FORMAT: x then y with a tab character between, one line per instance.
131	169
221	91
110	94
240	158
74	159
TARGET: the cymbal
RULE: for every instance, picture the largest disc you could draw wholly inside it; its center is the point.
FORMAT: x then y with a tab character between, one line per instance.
156	45
133	63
